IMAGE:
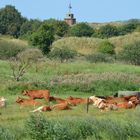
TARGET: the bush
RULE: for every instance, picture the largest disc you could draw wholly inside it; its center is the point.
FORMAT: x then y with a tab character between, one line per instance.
63	54
38	128
99	57
106	47
107	31
81	29
131	53
5	134
9	49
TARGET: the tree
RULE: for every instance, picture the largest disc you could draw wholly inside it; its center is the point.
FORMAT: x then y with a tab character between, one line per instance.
29	27
10	21
107	31
106	48
23	61
131	53
81	29
43	38
60	27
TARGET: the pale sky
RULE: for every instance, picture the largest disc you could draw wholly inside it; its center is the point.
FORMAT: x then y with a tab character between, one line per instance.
84	10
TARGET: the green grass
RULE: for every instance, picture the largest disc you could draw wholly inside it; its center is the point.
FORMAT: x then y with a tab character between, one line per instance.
78	78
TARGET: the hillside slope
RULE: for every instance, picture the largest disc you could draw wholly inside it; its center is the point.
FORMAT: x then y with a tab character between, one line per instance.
86	46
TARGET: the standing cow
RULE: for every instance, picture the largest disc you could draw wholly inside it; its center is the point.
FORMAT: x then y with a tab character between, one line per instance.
37	94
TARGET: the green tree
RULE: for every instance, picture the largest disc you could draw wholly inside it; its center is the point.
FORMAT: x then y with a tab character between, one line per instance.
131	53
60	27
10	21
107	31
29	27
43	38
81	29
106	48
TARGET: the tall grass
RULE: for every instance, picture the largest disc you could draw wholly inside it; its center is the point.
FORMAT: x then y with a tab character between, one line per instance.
86	46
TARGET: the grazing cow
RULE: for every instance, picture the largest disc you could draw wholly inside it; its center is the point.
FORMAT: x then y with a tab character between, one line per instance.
61	106
57	100
42	109
2	102
27	102
37	94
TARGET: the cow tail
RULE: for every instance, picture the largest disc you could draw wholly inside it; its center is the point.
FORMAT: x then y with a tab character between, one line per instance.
87	104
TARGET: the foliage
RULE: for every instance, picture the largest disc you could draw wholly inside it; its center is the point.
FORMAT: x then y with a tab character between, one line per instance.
127	28
106	48
99	57
81	29
43	38
23	61
63	54
10	21
10	49
5	134
29	27
107	31
131	53
60	27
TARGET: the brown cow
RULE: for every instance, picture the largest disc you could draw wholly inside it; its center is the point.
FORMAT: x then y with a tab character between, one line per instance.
42	109
27	102
57	100
37	94
76	100
61	106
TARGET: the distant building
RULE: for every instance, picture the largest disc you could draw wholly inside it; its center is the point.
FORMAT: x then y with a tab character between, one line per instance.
69	19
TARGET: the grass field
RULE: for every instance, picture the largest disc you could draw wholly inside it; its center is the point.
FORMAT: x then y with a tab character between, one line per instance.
78	78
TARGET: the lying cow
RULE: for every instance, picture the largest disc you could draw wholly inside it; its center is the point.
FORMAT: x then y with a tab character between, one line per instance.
27	102
42	109
61	106
57	100
76	100
2	102
37	94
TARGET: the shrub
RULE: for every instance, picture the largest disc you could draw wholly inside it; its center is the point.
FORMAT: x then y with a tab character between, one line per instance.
63	54
39	128
5	134
81	29
106	47
99	57
107	31
9	49
131	53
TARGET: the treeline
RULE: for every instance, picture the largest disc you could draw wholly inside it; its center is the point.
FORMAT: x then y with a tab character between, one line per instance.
13	23
43	33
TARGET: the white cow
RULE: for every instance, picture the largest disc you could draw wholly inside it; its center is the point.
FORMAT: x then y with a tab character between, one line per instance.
2	102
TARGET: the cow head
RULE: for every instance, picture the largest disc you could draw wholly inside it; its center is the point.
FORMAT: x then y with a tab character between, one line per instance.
19	100
24	92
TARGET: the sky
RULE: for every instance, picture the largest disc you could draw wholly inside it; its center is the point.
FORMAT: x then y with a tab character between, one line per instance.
84	10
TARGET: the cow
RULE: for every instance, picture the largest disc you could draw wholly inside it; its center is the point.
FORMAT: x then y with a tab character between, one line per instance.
57	100
61	106
42	109
27	102
37	94
2	102
76	100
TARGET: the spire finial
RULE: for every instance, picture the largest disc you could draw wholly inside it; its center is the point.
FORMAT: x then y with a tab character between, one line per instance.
70	7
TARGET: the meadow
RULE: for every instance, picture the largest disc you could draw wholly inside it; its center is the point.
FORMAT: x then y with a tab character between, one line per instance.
77	78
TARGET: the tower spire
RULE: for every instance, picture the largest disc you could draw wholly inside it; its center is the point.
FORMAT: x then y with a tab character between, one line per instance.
70	7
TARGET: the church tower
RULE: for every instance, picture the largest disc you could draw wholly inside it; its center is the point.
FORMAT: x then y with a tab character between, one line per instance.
69	19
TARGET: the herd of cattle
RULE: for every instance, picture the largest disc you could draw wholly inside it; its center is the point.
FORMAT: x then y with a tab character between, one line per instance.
101	102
